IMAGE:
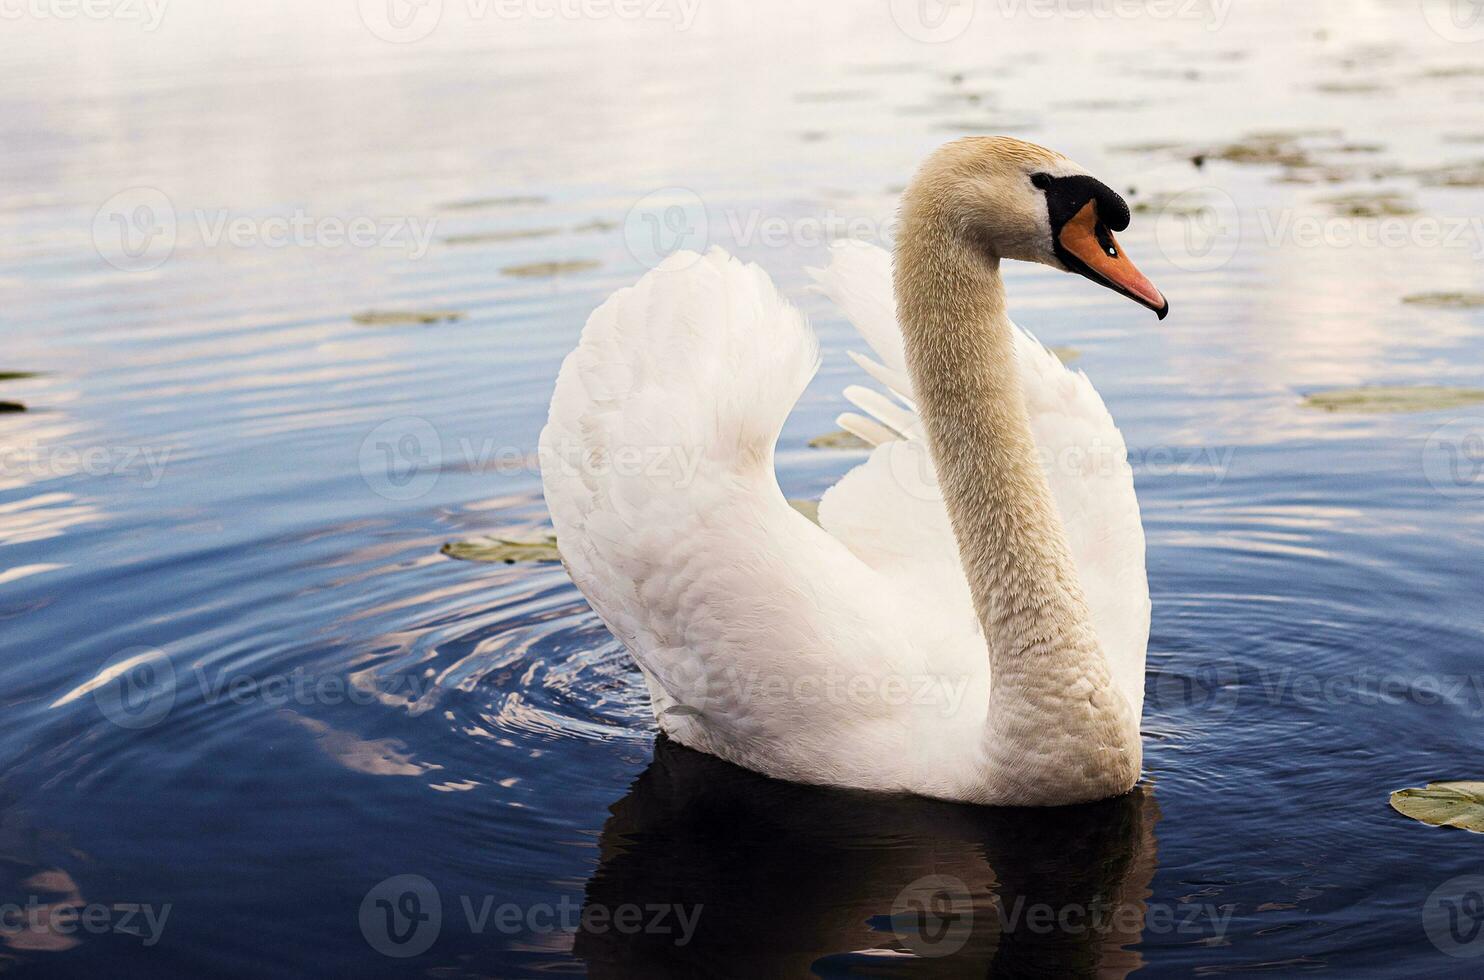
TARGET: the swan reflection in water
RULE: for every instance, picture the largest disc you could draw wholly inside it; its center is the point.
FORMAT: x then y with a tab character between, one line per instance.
747	876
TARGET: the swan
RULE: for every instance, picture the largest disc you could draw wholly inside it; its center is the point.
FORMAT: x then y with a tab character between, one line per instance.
968	619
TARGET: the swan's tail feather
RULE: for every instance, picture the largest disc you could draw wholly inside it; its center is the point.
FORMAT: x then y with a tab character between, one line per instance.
859	280
869	431
692	370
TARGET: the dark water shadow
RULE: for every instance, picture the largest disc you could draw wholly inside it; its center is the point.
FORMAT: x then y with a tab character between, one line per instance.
783	880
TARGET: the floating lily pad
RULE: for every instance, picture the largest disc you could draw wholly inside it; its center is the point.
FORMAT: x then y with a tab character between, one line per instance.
1307	156
1102	105
504	551
988	126
597	224
1152	147
1470	174
809	508
17	375
1377	204
839	439
1454	71
1444	805
1185	205
1447	301
1350	88
1263	149
1379	400
6	407
545	270
520	234
1319	174
403	318
479	203
1289	135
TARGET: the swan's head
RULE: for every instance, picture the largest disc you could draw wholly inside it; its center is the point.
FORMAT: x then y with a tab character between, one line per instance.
1010	199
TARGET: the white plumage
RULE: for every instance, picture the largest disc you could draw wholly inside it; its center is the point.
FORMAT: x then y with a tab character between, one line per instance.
766	640
982	642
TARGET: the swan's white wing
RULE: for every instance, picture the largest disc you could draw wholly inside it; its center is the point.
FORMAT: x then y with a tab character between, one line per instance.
657	463
888	512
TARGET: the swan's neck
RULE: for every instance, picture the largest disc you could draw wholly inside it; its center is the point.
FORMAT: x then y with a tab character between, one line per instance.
1057	726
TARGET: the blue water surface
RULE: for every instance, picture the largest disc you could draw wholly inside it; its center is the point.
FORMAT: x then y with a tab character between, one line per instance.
254	723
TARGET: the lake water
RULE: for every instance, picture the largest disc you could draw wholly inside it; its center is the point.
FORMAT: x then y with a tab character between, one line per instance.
254	722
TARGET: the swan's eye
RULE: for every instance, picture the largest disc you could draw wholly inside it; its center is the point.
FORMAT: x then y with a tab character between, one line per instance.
1043	181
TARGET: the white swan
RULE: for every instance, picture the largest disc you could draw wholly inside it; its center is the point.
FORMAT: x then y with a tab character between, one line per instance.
984	642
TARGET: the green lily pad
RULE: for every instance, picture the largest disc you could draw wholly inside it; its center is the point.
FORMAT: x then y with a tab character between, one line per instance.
6	407
479	203
403	318
490	237
1151	147
496	550
1469	174
1262	149
1381	400
1454	71
1177	205
1444	805
545	270
17	375
839	439
1447	301
1381	204
1350	88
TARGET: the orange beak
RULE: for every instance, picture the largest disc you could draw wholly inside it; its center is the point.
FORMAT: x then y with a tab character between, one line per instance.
1104	262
